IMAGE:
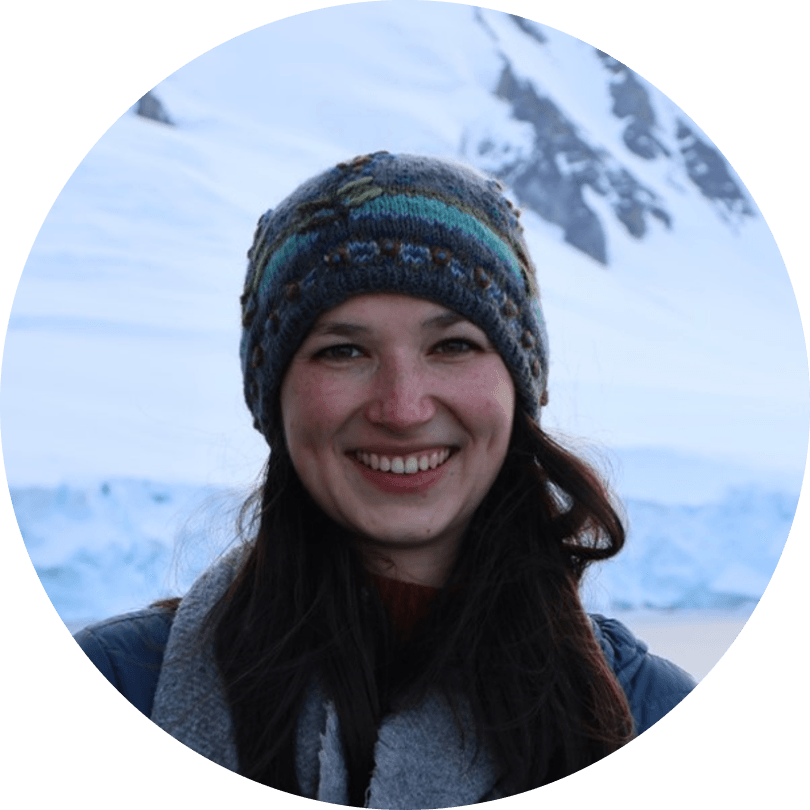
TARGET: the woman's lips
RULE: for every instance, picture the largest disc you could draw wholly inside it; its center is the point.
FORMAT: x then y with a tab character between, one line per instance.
406	463
404	482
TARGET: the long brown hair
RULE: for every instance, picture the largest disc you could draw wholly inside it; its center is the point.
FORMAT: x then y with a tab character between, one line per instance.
507	633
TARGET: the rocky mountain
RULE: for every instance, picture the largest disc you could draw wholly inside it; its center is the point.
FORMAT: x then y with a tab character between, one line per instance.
553	173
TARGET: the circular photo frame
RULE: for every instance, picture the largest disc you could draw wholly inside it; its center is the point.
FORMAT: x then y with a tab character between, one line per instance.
677	360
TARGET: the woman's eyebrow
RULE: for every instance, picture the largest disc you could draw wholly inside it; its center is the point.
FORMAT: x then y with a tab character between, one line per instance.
340	329
443	321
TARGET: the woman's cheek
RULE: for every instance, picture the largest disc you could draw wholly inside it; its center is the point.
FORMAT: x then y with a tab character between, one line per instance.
326	399
503	392
487	393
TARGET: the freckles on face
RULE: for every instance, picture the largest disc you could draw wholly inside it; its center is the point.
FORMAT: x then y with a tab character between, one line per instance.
313	409
315	405
397	415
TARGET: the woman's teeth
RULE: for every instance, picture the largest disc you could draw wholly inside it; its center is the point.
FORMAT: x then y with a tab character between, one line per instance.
404	465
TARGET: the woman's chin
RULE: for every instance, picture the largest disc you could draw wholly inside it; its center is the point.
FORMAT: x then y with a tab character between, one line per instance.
399	538
409	536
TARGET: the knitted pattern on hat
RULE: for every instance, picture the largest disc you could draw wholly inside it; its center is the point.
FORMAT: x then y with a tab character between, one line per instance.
388	223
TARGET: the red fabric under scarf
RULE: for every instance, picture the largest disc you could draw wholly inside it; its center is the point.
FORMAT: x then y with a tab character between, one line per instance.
407	603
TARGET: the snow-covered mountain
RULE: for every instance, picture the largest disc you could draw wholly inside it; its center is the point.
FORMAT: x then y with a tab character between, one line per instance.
676	344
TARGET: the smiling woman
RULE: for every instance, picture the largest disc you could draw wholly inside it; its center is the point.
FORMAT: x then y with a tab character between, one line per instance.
402	627
399	435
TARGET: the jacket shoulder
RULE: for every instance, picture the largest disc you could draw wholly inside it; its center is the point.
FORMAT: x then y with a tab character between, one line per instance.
128	651
653	685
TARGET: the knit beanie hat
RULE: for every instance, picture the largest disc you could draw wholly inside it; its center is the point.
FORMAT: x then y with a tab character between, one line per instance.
388	223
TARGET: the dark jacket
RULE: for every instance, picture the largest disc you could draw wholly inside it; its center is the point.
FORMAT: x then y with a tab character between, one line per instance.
128	651
164	665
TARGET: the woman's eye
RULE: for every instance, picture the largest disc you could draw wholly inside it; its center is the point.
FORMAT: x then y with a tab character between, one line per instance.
455	346
346	351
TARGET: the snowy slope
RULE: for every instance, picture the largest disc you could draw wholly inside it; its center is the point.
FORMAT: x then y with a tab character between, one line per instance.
683	356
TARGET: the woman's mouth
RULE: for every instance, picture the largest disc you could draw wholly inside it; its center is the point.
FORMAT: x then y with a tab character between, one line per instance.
408	474
405	464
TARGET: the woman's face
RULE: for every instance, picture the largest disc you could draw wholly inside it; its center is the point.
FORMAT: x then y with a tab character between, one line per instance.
397	415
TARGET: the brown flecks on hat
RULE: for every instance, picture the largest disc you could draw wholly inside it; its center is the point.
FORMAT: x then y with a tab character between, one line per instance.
441	256
544	399
510	310
257	358
338	257
360	161
527	339
481	278
512	207
273	322
389	247
292	291
521	255
535	368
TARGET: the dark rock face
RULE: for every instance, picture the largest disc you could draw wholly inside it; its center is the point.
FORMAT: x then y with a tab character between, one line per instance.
705	166
630	100
530	28
150	107
554	171
551	182
707	169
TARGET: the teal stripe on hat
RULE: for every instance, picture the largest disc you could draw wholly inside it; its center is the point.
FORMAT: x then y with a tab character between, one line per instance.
282	255
435	211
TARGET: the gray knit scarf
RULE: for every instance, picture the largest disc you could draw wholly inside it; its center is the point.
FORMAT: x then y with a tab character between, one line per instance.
421	758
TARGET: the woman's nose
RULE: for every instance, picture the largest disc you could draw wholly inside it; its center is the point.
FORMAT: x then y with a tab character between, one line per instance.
400	397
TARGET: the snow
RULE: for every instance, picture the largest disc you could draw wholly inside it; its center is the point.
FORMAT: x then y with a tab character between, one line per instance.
121	404
116	545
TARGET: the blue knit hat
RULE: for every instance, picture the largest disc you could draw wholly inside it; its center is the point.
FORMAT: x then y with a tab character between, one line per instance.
397	224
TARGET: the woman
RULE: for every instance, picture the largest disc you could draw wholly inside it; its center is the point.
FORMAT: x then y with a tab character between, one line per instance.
404	627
